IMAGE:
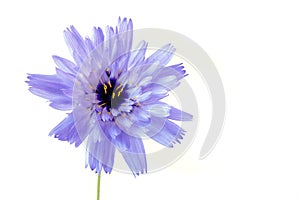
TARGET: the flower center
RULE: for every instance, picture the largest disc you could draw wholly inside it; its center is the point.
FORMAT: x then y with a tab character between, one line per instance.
110	95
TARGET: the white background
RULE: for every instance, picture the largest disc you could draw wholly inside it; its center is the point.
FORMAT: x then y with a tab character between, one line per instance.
255	46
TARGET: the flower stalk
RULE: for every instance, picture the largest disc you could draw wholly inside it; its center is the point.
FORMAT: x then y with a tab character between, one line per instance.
98	186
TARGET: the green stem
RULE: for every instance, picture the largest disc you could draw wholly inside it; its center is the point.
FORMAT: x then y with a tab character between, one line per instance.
98	186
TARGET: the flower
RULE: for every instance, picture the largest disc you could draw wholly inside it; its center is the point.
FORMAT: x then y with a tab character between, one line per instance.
113	95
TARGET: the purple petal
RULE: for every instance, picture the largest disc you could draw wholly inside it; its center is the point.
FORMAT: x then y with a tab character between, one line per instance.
65	65
50	87
179	115
68	78
64	105
76	45
98	36
66	131
169	134
162	55
134	156
157	93
100	155
89	45
137	55
130	147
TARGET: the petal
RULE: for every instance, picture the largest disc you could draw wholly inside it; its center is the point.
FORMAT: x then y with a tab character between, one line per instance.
125	32
65	65
162	55
134	155
137	55
76	45
179	115
100	154
169	77
130	147
169	82
68	78
158	92
63	104
89	45
66	131
50	87
111	131
98	36
169	134
158	109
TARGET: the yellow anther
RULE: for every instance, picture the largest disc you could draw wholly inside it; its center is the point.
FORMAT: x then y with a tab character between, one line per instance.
102	104
108	113
105	88
99	113
119	86
113	95
119	93
91	86
109	84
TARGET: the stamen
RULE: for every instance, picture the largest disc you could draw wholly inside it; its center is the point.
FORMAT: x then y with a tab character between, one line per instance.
102	104
105	88
109	84
119	93
113	95
119	86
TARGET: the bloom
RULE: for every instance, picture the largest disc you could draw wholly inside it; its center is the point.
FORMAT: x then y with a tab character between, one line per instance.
113	95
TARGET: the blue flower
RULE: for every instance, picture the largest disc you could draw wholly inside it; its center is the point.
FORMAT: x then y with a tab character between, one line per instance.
113	95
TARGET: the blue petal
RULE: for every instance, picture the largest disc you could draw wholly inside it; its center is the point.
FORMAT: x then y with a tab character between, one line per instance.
98	36
52	88
76	45
64	104
162	55
130	147
134	155
179	68
157	92
125	31
89	45
137	55
66	131
100	155
118	46
176	70
93	163
169	77
65	65
111	131
68	78
158	109
169	134
179	115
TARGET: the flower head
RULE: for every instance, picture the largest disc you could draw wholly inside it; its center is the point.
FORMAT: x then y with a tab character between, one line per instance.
113	95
